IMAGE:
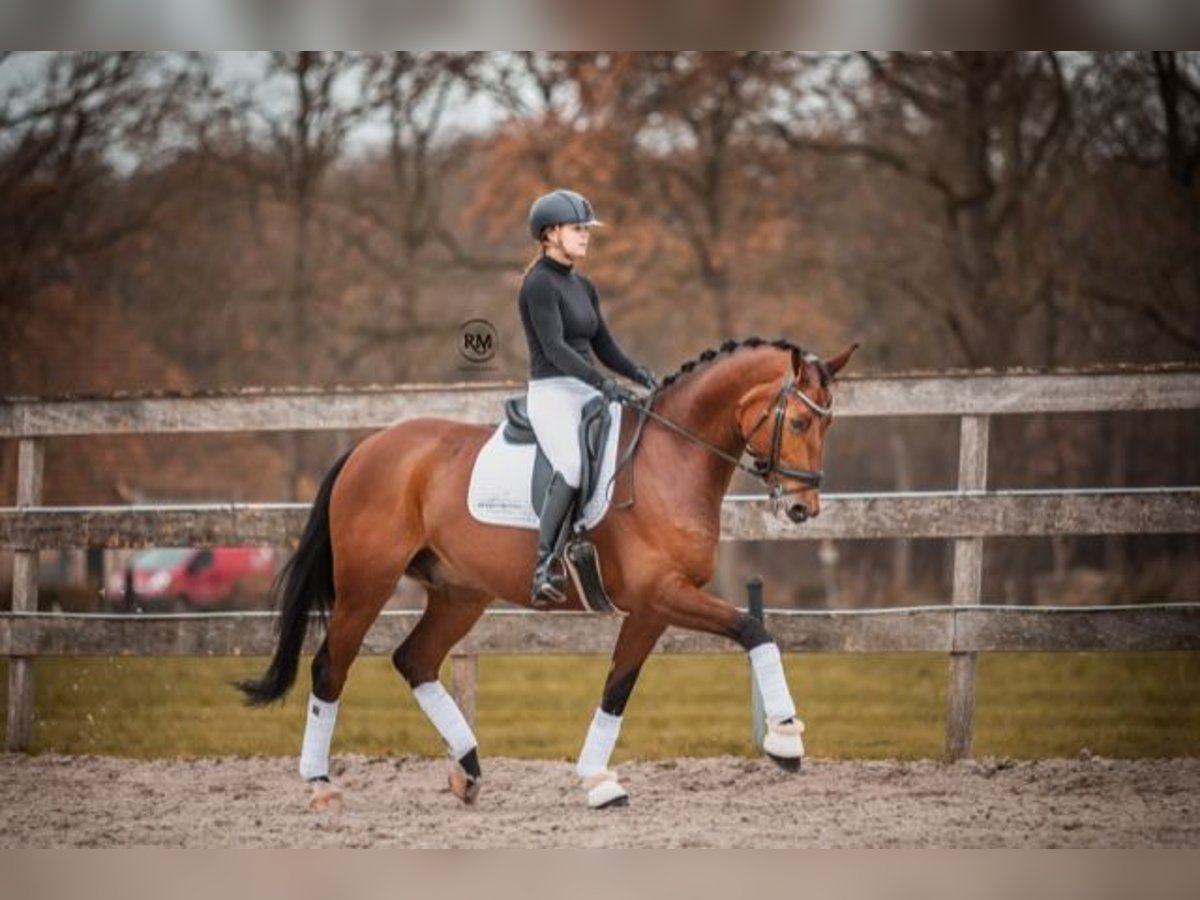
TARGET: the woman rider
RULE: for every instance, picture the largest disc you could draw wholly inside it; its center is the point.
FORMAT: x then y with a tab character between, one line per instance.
560	312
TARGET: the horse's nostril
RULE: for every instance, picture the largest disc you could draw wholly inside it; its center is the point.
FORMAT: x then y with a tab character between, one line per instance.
798	512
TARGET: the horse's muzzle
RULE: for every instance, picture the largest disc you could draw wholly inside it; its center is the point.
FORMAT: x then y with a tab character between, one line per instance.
800	513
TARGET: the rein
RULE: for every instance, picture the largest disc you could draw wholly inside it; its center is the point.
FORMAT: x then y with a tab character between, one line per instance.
762	468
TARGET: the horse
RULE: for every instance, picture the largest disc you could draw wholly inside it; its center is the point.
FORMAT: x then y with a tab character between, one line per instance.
395	504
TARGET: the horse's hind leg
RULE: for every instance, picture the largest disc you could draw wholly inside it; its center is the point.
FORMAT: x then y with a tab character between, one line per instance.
449	614
364	580
639	633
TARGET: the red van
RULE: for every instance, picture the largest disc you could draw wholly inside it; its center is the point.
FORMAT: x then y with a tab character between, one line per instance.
172	578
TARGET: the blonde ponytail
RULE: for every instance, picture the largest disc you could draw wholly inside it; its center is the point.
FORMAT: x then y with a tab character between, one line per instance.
541	252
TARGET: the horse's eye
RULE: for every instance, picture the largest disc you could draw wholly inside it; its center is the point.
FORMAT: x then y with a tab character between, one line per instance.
799	426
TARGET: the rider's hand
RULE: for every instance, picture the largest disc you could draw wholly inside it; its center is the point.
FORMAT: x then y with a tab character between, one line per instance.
646	378
615	392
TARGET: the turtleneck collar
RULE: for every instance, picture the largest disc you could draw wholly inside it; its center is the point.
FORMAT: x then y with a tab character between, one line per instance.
555	265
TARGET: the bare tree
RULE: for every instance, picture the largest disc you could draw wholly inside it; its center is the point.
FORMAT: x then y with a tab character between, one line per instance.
73	131
1140	246
978	133
390	209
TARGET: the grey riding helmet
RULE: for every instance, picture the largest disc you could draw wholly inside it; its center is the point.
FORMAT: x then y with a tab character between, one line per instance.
560	207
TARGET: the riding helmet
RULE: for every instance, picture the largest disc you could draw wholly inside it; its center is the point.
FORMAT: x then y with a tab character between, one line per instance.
561	207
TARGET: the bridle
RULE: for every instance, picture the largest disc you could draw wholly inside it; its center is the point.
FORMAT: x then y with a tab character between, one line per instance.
767	469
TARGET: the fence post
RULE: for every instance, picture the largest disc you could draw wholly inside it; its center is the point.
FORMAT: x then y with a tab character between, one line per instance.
30	459
464	675
758	719
967	591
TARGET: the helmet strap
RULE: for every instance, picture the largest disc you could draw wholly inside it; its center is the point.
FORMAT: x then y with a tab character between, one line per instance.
557	244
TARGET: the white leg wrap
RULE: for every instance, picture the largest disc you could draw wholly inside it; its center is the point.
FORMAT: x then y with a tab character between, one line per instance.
446	717
599	744
768	672
318	735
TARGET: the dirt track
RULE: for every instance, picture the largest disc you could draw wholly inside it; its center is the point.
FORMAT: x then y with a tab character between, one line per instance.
725	802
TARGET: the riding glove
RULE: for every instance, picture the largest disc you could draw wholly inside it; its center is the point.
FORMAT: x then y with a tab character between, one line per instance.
646	378
613	391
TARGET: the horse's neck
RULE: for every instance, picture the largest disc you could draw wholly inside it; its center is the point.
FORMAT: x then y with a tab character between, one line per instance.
705	403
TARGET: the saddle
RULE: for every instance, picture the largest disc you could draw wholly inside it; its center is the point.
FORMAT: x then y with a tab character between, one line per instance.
572	545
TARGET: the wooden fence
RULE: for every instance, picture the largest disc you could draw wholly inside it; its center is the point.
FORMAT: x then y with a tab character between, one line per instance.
967	516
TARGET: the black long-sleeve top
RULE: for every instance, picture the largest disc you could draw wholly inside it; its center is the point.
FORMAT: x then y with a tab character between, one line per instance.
560	311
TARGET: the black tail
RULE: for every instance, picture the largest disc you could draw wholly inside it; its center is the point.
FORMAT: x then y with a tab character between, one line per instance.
305	583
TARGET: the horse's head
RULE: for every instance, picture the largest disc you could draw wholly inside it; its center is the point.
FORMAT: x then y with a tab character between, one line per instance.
784	422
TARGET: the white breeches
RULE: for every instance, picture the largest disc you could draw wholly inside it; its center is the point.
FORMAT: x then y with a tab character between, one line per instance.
555	409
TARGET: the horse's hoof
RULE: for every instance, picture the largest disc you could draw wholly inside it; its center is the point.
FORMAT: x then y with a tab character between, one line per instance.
462	785
784	743
325	798
618	802
787	763
605	792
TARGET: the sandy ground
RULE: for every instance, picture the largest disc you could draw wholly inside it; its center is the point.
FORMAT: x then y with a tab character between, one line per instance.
53	801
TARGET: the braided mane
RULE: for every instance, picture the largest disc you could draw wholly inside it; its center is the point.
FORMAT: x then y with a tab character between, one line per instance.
730	345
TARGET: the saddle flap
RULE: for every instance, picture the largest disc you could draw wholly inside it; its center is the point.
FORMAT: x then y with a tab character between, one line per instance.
593	431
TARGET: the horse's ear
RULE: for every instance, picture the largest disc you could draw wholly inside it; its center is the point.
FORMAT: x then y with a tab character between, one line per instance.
797	359
836	363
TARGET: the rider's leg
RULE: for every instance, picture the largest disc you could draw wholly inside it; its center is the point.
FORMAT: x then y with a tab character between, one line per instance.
548	583
555	408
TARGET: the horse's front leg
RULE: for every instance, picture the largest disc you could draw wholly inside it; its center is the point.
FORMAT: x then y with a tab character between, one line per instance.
639	632
686	606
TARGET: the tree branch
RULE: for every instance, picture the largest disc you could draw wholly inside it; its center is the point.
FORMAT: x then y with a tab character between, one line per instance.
1153	313
881	155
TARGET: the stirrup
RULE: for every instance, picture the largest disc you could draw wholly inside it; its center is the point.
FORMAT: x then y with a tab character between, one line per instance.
550	591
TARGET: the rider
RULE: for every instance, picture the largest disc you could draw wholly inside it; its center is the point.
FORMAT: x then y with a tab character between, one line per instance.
560	312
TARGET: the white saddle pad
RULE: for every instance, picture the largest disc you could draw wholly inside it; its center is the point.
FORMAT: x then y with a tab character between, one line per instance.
501	476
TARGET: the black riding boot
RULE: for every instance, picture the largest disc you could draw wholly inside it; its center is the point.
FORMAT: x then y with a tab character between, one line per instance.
550	581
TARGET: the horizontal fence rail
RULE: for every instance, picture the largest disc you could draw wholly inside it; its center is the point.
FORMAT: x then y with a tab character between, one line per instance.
933	514
967	516
924	629
967	393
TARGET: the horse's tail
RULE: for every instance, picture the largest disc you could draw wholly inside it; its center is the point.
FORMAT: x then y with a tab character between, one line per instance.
303	584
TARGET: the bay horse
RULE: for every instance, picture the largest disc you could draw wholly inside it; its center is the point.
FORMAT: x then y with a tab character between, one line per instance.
396	504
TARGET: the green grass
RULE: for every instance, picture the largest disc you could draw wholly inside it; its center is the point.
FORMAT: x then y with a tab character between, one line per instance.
875	706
